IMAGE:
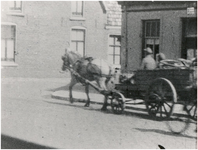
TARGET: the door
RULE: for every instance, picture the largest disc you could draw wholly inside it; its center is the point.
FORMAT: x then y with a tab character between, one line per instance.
189	38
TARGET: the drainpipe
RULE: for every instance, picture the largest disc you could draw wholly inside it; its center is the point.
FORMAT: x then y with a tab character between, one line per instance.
126	39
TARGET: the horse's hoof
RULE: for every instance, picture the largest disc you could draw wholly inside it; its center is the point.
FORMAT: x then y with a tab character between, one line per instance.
71	100
86	105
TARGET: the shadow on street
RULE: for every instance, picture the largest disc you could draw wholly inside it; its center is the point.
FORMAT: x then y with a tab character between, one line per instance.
8	142
164	132
108	111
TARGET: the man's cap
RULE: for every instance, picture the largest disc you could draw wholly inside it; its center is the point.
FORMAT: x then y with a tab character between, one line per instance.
161	56
148	50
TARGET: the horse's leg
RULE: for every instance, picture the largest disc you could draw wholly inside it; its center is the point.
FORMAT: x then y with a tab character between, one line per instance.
101	82
72	83
102	85
104	107
87	93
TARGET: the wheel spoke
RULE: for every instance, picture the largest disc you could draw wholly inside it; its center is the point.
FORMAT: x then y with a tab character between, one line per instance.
167	104
160	97
165	110
153	106
190	108
195	112
161	111
150	109
157	108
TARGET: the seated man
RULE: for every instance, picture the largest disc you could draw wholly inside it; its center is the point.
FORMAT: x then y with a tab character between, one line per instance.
148	63
159	58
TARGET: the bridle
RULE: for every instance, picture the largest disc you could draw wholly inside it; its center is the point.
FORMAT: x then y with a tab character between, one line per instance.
66	63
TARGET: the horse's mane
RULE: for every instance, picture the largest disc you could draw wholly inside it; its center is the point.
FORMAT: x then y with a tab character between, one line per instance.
73	56
75	53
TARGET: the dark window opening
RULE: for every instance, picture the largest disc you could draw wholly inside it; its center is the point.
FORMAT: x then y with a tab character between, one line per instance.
151	29
189	38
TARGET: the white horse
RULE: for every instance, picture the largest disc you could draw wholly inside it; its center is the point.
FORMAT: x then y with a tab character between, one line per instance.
88	68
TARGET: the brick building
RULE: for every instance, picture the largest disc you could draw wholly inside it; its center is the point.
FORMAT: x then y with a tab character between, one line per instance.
169	27
35	34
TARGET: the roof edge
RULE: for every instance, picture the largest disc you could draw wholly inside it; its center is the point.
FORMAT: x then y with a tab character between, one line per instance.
103	5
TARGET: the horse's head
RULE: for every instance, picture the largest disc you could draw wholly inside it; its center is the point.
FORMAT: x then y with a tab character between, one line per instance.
65	62
69	59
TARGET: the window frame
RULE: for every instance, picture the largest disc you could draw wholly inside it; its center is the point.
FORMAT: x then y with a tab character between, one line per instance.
12	63
15	8
153	38
78	28
114	46
78	17
16	12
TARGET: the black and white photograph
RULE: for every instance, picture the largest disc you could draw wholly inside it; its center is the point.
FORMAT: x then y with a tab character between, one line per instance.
99	74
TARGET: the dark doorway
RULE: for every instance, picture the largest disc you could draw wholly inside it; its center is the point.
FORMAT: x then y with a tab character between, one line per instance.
189	38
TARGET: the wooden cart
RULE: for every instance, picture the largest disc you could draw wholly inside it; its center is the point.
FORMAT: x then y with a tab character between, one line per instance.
160	89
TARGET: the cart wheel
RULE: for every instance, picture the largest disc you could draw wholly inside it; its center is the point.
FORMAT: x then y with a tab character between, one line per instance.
179	121
191	109
160	98
117	103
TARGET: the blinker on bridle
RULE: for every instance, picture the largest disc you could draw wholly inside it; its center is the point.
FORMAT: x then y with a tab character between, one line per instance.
66	63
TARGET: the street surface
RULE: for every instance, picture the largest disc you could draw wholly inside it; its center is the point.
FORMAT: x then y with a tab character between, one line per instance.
29	115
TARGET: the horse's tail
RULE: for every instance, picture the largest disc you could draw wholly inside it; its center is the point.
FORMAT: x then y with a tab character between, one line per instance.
110	79
111	73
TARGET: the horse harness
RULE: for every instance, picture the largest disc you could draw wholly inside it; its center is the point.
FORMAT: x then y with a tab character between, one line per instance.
74	72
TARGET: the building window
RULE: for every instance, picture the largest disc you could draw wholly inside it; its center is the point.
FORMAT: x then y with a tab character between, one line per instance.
78	41
114	49
151	29
15	6
189	39
77	8
8	34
